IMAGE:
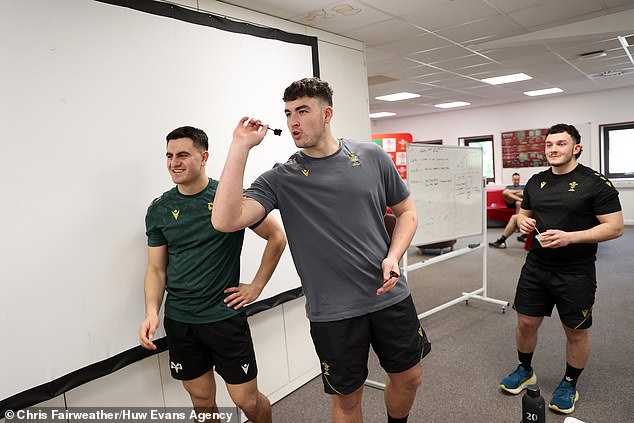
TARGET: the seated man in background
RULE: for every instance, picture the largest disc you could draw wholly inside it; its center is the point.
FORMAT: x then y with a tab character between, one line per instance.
513	195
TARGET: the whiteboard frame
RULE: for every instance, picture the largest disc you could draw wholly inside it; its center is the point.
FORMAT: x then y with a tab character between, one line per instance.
455	231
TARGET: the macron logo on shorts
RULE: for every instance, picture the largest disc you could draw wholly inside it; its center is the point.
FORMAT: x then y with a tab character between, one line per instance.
176	366
245	368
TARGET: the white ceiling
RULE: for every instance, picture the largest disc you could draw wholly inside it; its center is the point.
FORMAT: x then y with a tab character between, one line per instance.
441	49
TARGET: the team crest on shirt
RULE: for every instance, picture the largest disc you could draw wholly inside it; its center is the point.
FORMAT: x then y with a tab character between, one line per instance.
175	213
210	206
572	186
354	159
541	184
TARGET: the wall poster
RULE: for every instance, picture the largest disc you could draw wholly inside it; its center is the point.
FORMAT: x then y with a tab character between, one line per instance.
524	148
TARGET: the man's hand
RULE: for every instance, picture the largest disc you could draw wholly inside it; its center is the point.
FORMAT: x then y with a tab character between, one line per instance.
249	132
241	295
554	238
147	331
390	276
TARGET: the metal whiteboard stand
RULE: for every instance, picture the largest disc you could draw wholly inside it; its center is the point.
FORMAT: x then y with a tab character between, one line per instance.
479	294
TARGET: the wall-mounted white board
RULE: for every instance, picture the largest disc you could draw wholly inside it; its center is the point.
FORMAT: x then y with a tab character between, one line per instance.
446	185
89	92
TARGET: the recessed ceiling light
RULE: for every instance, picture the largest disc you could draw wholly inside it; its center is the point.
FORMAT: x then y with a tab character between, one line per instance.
505	79
544	92
452	104
381	114
397	96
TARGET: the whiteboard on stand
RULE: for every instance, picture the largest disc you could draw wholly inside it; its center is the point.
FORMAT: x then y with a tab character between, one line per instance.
446	185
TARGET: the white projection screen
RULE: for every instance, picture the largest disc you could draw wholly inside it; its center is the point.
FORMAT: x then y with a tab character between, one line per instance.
89	91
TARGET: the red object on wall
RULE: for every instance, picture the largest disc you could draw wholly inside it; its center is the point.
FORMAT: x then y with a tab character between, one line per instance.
524	148
396	146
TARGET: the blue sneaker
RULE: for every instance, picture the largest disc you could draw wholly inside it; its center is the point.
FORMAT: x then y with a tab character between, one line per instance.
518	380
564	398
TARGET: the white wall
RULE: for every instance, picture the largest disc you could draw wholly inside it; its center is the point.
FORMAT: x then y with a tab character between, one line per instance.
285	354
585	111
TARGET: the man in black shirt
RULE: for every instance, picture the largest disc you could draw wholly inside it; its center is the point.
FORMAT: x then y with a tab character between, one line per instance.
571	208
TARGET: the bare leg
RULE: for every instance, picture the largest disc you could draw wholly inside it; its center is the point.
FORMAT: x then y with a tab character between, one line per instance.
347	408
400	391
249	399
577	346
202	392
526	332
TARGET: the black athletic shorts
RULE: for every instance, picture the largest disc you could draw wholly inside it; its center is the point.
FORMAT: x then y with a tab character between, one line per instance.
195	349
343	346
538	290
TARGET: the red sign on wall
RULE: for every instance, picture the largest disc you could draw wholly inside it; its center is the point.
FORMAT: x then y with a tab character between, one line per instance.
524	148
396	146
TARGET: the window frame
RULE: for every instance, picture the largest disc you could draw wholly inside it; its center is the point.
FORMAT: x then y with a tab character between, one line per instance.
465	141
604	136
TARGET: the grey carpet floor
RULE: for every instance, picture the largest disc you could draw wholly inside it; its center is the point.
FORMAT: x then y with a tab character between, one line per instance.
473	345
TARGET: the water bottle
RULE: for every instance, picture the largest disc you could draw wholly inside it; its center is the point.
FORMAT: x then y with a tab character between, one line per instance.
533	406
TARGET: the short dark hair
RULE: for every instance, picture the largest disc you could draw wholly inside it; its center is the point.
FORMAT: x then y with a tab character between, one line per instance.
309	87
197	135
570	130
515	174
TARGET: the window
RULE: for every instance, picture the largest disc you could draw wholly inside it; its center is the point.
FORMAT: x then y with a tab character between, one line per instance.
484	142
617	149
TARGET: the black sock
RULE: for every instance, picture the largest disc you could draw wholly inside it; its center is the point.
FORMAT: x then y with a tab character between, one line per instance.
391	419
525	360
502	239
572	374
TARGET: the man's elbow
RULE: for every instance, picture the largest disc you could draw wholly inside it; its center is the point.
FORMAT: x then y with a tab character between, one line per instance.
223	224
619	231
279	238
410	216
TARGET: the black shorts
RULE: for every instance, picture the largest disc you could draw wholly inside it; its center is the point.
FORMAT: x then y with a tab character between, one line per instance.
538	290
343	346
196	348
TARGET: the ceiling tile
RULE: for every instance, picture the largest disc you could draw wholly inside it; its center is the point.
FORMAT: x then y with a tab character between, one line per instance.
383	32
341	17
387	65
451	14
509	53
411	72
560	11
402	7
281	8
407	46
462	62
483	30
440	54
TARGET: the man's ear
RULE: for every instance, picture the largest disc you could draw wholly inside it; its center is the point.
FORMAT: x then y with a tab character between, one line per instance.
205	157
328	113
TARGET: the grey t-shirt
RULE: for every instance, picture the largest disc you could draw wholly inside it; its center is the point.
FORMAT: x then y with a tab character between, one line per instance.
332	208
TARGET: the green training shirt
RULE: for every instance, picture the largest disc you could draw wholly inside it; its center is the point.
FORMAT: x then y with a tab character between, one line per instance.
202	262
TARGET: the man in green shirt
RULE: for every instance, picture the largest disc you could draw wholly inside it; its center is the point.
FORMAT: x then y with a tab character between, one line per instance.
199	268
